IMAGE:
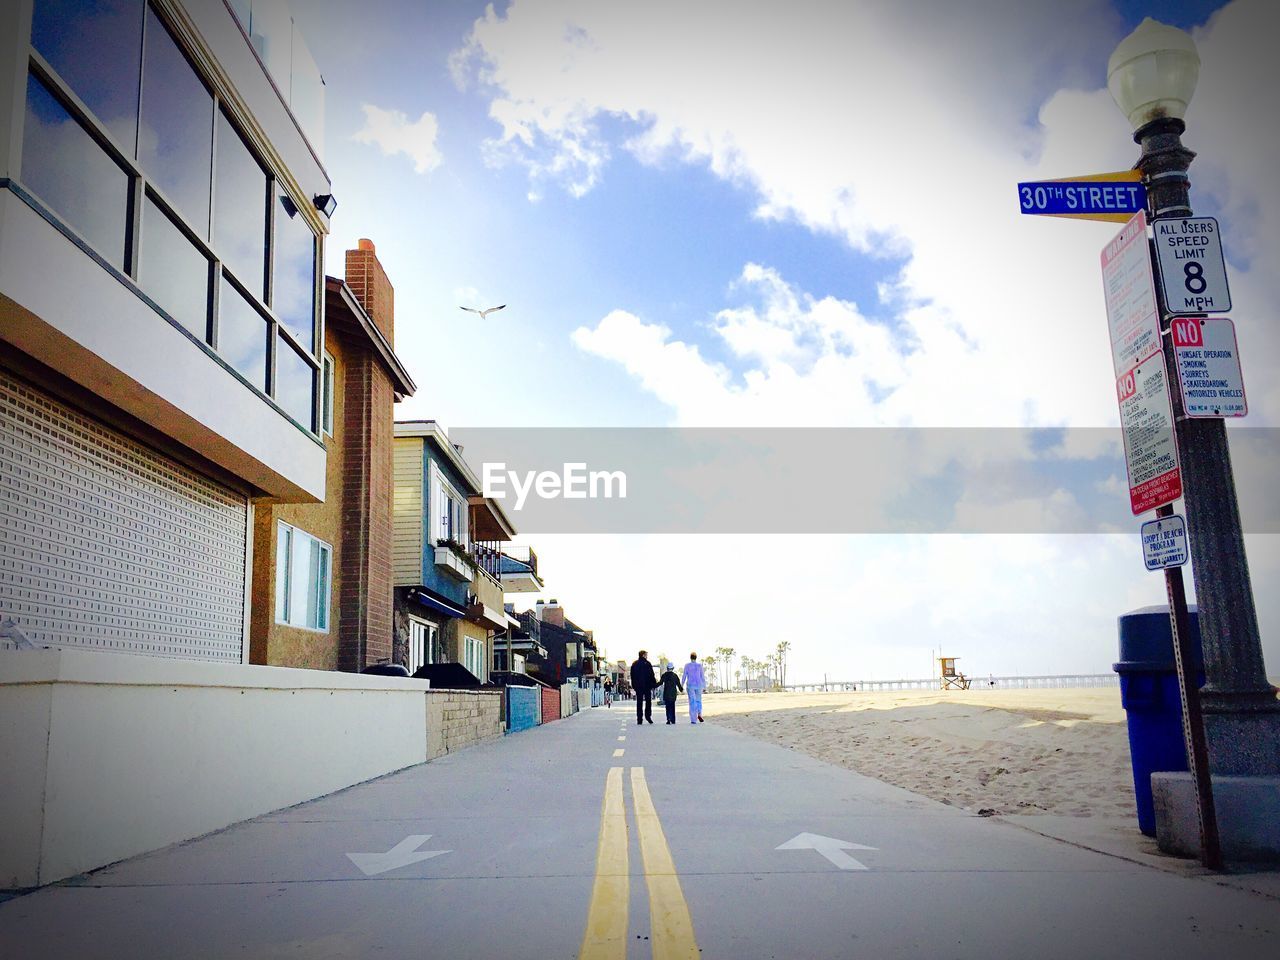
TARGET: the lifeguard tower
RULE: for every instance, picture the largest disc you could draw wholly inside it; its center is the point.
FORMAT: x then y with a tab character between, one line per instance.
952	679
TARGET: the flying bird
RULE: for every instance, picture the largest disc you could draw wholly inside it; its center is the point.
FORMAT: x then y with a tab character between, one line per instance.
483	313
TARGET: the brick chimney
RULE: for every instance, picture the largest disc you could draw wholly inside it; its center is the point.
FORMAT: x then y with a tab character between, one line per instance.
553	613
368	281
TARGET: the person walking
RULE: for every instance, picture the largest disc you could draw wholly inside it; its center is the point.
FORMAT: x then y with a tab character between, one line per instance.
643	680
608	692
694	681
670	685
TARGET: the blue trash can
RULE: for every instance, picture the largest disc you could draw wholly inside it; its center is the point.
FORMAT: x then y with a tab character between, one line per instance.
1152	703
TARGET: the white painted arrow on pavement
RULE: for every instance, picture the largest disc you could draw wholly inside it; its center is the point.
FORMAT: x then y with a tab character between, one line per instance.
401	855
829	847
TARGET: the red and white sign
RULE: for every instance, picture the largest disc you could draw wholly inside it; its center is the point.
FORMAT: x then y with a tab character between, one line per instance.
1209	367
1150	449
1129	283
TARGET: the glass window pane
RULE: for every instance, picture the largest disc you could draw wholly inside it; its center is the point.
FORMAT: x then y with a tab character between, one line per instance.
240	210
326	395
68	170
300	576
294	379
322	591
283	548
242	336
173	272
294	271
97	49
175	140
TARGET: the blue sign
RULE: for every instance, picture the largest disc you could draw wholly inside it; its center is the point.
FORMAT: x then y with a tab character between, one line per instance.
1106	196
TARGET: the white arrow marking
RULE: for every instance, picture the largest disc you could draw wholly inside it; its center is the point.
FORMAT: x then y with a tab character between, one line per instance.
401	855
829	847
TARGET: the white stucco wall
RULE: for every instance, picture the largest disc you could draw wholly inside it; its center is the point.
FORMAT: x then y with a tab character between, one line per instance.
106	756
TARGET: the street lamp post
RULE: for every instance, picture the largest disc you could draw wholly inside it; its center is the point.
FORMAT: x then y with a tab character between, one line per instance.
1152	76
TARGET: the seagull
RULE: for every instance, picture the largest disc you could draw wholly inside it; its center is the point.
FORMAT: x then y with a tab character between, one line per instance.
483	313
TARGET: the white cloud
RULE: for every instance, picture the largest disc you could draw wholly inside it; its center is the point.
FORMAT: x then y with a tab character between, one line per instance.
392	132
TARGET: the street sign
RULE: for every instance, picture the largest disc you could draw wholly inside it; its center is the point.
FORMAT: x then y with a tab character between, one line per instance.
1193	273
1150	448
1209	367
1129	284
1164	542
1113	197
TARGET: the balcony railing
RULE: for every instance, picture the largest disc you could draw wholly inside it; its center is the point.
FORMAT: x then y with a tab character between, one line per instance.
524	555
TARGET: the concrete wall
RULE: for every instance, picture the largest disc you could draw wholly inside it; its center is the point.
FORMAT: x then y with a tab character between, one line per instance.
109	755
461	718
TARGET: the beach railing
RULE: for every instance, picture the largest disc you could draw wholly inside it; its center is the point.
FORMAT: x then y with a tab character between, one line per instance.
1044	682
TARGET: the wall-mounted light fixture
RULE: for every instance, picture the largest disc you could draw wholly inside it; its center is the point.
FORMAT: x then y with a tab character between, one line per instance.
325	203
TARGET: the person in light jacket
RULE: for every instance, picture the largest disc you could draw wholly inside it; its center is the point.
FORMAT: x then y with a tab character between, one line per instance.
670	684
694	681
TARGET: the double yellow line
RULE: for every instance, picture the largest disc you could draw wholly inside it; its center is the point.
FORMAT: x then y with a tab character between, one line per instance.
670	925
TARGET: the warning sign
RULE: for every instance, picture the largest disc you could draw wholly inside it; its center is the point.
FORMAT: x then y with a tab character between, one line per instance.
1209	367
1150	448
1129	283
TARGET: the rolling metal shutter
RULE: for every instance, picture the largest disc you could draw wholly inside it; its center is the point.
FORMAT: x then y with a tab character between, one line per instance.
107	544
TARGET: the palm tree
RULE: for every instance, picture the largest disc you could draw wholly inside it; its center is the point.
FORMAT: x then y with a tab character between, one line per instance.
783	648
708	666
726	659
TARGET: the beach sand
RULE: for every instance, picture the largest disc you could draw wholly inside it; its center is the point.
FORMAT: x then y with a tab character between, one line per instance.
1062	752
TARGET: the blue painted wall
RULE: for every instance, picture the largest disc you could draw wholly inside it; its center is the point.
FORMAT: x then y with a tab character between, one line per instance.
524	708
433	578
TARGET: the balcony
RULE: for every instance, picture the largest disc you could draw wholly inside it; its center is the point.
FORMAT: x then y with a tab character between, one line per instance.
518	570
451	557
484	605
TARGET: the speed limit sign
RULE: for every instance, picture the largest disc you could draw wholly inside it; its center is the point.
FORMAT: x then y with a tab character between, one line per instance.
1192	270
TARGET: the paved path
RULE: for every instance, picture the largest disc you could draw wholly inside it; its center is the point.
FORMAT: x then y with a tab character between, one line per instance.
567	841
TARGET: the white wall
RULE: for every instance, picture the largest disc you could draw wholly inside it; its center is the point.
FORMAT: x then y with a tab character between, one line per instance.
106	756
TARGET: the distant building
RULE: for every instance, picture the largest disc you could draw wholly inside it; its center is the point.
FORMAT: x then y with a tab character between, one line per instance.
453	565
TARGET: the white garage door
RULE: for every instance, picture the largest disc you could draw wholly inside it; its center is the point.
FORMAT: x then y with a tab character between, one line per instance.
107	544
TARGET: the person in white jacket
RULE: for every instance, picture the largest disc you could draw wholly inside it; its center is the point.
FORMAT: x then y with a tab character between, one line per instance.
693	680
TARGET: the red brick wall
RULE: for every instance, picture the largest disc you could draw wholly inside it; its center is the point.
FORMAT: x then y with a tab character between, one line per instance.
365	607
368	281
550	704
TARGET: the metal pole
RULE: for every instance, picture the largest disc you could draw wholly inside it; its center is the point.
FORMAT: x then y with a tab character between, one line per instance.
1242	714
1192	719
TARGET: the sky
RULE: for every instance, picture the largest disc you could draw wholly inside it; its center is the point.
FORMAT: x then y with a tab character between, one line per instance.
789	215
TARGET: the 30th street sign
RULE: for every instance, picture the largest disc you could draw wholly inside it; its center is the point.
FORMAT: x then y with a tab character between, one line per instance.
1114	197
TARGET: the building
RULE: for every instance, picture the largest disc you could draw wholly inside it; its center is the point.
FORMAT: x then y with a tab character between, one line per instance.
322	572
570	651
162	214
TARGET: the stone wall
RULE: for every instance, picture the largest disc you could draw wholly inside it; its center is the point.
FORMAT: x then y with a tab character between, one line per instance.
461	718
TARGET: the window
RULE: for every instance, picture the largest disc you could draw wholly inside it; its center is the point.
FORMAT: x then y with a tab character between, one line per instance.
326	395
97	50
473	657
175	136
302	579
450	511
295	381
173	271
240	211
422	644
242	336
68	170
127	146
293	284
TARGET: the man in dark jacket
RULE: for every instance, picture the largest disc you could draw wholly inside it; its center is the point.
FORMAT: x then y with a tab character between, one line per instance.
643	680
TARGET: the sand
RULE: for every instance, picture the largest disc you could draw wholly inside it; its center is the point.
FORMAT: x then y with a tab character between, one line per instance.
1062	752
